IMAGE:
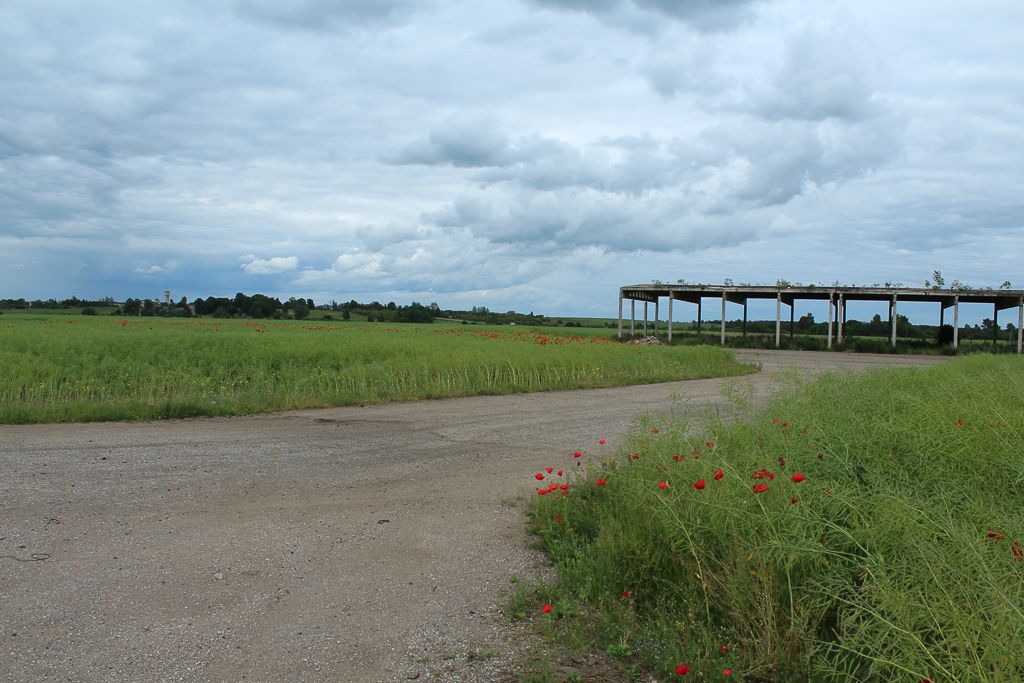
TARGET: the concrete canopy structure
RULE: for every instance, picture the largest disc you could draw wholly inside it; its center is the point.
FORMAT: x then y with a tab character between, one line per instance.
837	297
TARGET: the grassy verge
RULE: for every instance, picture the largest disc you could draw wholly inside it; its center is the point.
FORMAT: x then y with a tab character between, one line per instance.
85	368
885	543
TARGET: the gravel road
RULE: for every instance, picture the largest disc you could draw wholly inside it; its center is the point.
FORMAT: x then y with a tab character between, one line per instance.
345	544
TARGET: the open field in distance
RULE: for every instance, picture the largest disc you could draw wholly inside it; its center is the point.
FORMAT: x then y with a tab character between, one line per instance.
84	368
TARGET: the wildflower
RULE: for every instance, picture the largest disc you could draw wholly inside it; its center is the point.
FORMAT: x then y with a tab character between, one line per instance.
542	492
601	441
682	669
723	649
727	672
709	444
635	456
655	430
775	420
558	518
699	484
601	482
560	472
662	485
719	474
577	454
564	487
760	488
550	470
677	458
1017	550
782	461
538	476
959	422
994	535
546	609
626	594
785	424
797	478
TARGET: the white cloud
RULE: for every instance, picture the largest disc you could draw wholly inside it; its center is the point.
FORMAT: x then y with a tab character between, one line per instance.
148	270
270	266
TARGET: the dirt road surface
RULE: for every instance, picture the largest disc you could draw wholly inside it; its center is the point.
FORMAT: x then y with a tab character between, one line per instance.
346	544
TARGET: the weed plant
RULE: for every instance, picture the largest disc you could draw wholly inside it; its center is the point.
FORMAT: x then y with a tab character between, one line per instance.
84	368
885	543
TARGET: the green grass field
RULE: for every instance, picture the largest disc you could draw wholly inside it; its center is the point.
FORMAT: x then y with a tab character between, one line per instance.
857	528
60	368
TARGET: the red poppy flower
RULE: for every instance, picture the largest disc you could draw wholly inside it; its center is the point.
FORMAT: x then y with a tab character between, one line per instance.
960	422
553	486
1017	550
662	484
626	594
546	609
558	518
719	474
542	492
723	649
564	487
655	430
797	478
601	482
549	470
560	472
727	672
995	535
677	458
682	669
775	420
635	456
601	441
699	484
785	424
709	444
760	488
538	476
577	454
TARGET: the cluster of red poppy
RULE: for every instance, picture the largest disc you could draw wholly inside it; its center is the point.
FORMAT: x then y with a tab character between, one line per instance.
1016	548
683	669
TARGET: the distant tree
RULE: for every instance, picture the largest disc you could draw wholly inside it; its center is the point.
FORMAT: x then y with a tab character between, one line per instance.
1006	284
805	322
88	310
940	282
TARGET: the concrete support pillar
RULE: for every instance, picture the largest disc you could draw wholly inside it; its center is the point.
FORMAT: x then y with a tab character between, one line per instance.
956	323
942	314
995	326
744	317
632	317
894	319
657	300
670	297
645	318
841	318
829	344
792	309
778	319
1020	324
723	318
698	316
620	314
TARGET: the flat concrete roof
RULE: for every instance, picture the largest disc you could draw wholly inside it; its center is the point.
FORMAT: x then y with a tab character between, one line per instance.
1002	298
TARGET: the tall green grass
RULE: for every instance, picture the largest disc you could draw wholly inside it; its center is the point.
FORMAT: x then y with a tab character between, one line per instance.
79	369
894	560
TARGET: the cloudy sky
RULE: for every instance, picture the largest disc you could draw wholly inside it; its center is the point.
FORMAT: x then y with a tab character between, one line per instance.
526	154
